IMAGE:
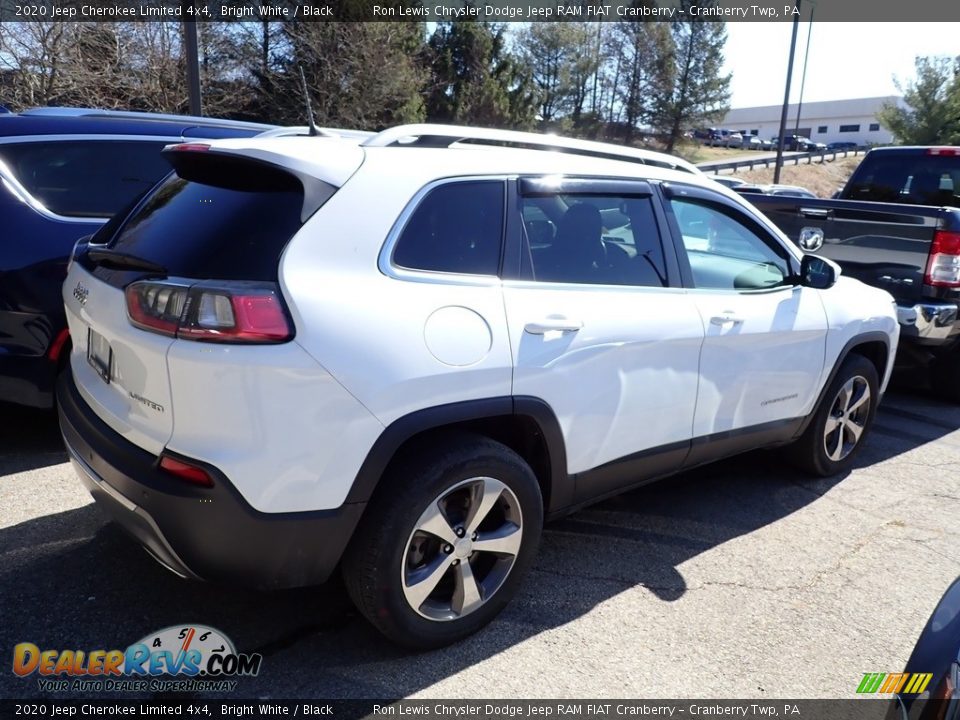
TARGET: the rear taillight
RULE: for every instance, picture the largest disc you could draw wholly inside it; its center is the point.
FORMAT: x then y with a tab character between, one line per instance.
188	472
228	312
943	265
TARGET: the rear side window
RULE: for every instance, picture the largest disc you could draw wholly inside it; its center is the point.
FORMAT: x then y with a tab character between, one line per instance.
86	178
213	230
456	228
917	179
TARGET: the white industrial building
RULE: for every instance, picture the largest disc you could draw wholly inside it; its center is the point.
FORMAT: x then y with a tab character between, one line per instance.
830	121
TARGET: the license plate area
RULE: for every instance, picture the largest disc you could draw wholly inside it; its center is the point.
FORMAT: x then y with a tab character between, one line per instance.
99	354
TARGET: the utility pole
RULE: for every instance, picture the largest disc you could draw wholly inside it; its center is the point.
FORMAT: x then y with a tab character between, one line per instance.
803	77
786	97
192	51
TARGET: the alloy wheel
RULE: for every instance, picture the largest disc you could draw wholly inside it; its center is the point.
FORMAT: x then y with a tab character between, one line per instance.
847	418
462	549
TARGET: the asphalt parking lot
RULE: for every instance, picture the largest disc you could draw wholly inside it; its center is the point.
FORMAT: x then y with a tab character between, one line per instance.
743	579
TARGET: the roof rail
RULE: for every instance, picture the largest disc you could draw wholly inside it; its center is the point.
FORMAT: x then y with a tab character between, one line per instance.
137	115
438	136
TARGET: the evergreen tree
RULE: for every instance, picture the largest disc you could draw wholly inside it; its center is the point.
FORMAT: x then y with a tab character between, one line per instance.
474	79
561	59
644	71
698	94
932	99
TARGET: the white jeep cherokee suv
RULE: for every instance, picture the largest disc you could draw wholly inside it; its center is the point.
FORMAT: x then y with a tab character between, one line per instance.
399	354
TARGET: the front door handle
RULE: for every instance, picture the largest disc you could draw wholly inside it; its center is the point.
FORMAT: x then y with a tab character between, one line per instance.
553	323
725	319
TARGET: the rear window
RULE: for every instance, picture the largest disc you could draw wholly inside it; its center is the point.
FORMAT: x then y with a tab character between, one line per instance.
85	178
917	179
209	231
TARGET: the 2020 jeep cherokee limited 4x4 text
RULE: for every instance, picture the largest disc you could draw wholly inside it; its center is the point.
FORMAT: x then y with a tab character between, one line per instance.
400	354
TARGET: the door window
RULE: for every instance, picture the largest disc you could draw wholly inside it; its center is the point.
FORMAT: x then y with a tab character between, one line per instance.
724	251
593	239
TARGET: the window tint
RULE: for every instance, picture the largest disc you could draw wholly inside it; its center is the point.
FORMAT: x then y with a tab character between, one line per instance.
86	178
596	239
457	228
724	251
207	231
917	179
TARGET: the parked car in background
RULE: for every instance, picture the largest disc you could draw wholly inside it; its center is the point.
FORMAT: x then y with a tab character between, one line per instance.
896	226
752	142
380	356
729	180
842	145
748	189
803	144
935	662
789	191
65	171
786	190
734	140
795	143
719	138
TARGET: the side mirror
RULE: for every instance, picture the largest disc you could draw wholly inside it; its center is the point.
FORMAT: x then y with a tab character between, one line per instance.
817	272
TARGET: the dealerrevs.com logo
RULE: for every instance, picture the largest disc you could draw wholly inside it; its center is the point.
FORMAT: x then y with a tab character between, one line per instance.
180	658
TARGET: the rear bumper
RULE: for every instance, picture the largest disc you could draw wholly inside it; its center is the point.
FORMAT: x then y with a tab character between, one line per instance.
199	533
931	323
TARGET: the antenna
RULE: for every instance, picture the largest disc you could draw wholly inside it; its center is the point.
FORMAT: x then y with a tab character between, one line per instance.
314	130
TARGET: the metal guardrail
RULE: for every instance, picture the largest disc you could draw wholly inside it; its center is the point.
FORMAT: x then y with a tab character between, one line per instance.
767	161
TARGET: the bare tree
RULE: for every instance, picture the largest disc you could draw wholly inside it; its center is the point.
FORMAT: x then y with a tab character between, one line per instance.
361	75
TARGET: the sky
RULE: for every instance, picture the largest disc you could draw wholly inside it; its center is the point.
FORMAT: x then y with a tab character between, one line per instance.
846	60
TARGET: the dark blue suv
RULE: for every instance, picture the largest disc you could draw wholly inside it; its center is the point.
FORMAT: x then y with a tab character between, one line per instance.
63	173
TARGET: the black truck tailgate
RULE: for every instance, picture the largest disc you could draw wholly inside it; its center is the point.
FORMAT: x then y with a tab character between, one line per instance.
885	245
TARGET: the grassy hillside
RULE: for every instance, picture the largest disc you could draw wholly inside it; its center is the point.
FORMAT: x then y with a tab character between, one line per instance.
821	179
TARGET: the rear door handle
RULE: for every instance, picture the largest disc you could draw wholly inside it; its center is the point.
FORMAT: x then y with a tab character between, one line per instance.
553	323
725	319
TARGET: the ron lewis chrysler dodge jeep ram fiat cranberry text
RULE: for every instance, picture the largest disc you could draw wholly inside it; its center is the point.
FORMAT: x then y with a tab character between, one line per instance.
400	354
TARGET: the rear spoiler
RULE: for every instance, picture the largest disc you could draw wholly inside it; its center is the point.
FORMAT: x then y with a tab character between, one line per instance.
203	163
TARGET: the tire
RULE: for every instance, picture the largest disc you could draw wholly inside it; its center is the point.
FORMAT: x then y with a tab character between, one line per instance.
842	422
412	568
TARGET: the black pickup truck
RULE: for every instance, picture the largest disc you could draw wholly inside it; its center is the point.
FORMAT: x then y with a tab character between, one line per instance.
896	226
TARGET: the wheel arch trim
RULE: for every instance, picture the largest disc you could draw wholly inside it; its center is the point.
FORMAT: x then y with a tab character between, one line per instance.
851	345
403	429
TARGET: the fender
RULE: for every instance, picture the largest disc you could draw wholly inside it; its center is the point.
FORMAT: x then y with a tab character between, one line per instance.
406	427
872	336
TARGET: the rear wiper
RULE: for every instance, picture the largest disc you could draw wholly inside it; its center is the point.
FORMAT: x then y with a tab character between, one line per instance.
121	260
